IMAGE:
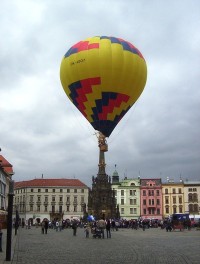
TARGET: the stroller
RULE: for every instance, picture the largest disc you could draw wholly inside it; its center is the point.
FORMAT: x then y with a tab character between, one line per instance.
96	232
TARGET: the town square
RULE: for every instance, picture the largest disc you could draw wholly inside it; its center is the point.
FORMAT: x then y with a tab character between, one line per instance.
99	131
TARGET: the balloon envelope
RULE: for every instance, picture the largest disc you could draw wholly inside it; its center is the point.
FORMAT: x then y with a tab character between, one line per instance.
103	77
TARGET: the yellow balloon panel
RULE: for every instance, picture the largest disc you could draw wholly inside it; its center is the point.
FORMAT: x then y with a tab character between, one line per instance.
103	77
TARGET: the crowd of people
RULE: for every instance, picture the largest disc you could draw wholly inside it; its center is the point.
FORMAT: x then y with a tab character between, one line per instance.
102	228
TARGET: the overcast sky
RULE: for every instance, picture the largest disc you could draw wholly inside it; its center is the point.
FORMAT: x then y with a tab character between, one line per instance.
41	132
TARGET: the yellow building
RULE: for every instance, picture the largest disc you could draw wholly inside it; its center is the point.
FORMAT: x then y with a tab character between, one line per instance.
173	197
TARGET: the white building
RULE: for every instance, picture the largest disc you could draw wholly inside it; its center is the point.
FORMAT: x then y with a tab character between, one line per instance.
192	197
50	198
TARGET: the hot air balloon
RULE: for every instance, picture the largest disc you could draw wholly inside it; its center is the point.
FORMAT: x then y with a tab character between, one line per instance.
103	77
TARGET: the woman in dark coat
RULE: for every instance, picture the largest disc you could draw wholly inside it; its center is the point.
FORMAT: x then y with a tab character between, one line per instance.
108	228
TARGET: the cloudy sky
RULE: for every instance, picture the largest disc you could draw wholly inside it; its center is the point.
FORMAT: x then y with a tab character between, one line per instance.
41	132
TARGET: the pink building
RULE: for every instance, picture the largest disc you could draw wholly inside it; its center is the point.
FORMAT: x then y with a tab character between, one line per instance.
151	198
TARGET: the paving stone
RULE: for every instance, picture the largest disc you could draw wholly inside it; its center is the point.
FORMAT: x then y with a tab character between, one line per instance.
153	246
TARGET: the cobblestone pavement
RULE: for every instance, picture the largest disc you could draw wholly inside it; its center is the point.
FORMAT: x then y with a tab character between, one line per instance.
153	246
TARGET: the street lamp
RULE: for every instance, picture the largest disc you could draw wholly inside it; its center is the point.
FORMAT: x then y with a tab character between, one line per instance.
9	220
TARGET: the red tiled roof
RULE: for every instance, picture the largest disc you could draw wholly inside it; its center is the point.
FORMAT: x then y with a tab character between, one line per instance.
50	183
6	165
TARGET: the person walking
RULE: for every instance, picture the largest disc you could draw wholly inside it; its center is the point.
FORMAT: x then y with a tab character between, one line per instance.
101	225
46	225
74	227
108	225
57	225
42	226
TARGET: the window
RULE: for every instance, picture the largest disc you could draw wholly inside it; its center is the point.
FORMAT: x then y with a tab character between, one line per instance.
75	190
38	208
75	199
173	190
157	192
60	198
75	208
82	199
167	200
54	190
122	210
174	200
132	192
166	191
152	201
180	209
67	208
134	201
39	190
53	198
53	209
144	202
46	198
190	197
158	201
149	201
31	208
151	192
179	190
180	200
174	210
131	201
45	208
135	210
61	190
31	190
195	197
144	211
194	189
46	190
68	198
151	211
68	190
158	211
189	189
60	209
31	198
196	208
131	210
144	193
122	201
82	190
122	192
39	198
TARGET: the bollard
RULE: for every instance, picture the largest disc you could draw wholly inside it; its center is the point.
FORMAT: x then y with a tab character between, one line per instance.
1	233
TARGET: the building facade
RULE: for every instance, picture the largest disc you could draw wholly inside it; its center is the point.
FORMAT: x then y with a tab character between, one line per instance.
50	198
127	194
192	197
151	199
173	197
6	172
